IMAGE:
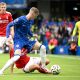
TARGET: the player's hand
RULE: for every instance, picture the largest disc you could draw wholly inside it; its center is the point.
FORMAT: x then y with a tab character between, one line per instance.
12	32
35	35
44	70
9	40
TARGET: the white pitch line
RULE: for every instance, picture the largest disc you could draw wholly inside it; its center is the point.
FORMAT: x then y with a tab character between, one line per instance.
67	57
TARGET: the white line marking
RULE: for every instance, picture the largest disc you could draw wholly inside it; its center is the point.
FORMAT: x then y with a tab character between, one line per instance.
65	56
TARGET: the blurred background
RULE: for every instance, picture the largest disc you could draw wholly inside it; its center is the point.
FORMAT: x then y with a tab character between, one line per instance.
55	23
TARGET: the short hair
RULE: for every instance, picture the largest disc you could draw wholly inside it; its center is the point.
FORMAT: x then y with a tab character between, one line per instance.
2	3
35	10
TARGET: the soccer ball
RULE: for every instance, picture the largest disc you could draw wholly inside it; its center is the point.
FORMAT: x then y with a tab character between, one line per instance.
55	69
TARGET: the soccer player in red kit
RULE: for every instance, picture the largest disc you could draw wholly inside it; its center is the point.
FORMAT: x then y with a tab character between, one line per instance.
5	18
29	64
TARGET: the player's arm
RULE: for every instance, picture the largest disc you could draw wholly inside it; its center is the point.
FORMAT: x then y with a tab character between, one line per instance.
14	23
12	31
32	35
30	32
45	71
11	54
38	68
8	29
12	68
74	30
9	32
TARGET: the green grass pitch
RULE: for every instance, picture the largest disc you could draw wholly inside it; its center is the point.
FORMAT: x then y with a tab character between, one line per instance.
70	69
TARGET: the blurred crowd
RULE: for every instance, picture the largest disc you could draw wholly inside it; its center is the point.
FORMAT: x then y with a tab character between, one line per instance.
53	32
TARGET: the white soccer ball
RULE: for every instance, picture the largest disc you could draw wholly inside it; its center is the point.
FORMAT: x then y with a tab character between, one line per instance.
55	69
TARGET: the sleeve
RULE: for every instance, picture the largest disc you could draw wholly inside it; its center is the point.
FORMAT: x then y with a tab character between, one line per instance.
14	23
74	30
10	18
17	21
8	29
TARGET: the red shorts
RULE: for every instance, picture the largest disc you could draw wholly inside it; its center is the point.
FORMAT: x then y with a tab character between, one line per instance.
22	61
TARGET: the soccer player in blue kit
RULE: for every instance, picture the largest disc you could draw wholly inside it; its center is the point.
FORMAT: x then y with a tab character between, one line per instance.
21	27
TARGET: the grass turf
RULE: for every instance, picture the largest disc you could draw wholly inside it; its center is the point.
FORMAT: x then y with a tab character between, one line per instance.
70	69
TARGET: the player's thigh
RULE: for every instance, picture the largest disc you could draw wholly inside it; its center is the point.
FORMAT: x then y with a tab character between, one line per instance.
36	45
32	64
33	67
2	41
36	60
28	65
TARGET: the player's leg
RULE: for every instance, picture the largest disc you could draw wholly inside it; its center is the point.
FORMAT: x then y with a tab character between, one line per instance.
33	64
2	41
37	62
11	61
36	67
31	68
27	67
42	48
17	48
11	51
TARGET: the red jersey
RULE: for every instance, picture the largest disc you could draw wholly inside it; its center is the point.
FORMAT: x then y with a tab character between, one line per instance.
5	19
23	60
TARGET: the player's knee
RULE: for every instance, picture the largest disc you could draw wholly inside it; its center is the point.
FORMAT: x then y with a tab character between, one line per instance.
43	51
26	70
43	48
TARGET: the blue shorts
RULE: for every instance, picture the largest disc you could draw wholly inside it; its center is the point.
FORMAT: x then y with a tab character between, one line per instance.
19	44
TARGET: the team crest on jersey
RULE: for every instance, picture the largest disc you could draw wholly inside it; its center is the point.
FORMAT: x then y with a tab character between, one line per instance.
6	17
17	45
16	20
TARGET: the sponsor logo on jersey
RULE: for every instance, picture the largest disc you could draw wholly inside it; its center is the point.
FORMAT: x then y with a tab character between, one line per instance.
4	21
17	45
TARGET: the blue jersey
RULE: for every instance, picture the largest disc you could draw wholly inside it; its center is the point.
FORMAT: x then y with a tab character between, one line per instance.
21	32
21	27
